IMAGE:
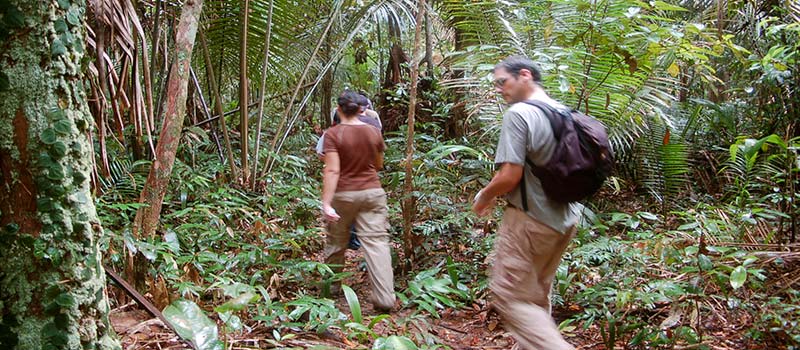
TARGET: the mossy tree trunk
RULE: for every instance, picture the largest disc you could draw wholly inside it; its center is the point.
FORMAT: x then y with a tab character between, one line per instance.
147	218
51	277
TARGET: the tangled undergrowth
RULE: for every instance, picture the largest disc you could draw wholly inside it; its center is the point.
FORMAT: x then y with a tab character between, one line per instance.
242	268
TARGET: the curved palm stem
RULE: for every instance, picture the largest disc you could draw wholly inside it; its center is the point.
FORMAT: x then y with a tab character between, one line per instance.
261	96
244	117
217	101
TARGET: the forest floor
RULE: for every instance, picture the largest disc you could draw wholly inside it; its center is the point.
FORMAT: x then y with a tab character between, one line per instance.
475	326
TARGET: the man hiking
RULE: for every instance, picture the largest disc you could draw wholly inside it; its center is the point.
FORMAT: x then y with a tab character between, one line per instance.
529	243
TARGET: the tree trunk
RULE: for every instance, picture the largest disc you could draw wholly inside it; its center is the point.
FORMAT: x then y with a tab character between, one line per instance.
243	95
261	95
147	218
428	45
392	116
409	202
326	88
454	126
214	85
51	280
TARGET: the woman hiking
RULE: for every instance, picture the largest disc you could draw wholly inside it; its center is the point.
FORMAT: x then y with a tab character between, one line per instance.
352	193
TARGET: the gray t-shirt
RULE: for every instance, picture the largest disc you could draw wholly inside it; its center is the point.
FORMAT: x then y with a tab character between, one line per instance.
527	132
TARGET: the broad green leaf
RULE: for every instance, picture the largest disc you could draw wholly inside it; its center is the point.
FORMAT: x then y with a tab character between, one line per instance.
231	320
65	300
647	216
446	150
704	262
377	319
238	303
171	239
738	277
394	343
48	136
192	324
63	127
74	16
57	48
352	302
59	149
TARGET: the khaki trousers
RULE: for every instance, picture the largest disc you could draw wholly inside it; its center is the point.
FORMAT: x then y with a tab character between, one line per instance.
367	208
527	254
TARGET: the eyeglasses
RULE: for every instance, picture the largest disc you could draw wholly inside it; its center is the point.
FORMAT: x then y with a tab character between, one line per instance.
500	82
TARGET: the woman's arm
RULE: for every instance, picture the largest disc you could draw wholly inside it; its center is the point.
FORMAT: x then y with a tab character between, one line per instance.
330	178
379	161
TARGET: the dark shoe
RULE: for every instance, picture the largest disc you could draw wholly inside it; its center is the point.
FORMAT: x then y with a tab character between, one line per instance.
381	310
354	242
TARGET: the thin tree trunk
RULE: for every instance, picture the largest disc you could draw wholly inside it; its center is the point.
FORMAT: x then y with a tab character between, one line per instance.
218	104
206	112
243	95
261	95
428	44
156	39
380	49
454	126
409	202
147	218
102	73
326	86
52	286
148	91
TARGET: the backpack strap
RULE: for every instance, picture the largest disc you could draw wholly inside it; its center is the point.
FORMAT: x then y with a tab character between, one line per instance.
524	194
556	124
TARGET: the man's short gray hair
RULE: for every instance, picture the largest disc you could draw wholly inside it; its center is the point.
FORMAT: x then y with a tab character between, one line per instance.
514	64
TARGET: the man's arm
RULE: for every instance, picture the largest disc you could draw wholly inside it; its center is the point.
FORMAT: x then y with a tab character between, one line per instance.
505	180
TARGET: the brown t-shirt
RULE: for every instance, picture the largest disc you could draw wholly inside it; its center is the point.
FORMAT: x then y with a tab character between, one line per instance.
358	147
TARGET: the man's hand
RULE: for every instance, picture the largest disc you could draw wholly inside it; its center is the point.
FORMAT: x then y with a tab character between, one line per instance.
329	214
481	205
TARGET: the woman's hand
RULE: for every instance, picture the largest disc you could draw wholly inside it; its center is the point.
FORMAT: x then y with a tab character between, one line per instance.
329	214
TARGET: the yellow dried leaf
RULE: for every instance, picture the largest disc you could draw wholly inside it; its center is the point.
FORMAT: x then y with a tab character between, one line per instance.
674	70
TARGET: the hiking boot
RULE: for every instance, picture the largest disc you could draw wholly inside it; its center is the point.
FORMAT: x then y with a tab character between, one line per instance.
354	243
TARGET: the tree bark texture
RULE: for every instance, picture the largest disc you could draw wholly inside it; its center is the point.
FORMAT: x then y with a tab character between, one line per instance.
51	277
410	240
147	218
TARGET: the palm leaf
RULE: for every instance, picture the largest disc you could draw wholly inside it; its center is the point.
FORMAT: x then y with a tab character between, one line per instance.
126	179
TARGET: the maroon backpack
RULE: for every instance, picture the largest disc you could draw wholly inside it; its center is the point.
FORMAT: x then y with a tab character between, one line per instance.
581	161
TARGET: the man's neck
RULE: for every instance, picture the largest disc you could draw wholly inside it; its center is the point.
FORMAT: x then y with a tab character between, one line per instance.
538	94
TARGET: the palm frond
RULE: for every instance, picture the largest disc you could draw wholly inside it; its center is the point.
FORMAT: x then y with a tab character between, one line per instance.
126	179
